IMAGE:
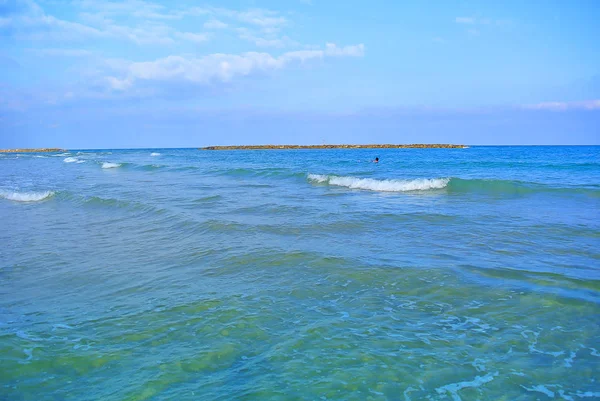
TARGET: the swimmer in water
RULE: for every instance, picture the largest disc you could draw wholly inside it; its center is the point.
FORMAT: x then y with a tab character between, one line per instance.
376	160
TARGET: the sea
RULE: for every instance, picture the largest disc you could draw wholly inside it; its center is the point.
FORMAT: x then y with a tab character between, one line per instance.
186	274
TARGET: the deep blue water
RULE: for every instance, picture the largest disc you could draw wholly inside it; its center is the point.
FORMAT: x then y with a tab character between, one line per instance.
180	274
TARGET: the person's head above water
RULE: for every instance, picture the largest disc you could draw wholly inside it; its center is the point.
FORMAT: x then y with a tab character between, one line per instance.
376	160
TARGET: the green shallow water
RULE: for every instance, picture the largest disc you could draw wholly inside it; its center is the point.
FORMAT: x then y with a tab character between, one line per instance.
175	283
314	328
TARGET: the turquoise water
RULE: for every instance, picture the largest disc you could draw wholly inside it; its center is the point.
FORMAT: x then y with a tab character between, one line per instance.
178	274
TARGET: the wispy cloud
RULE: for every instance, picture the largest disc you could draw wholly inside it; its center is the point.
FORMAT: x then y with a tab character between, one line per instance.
215	24
133	8
142	22
219	67
265	19
193	37
265	41
564	106
36	25
90	25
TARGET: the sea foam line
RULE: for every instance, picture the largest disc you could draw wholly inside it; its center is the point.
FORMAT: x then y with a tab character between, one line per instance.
419	184
25	196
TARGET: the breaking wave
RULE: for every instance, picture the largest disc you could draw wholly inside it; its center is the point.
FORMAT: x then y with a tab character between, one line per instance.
419	184
451	185
110	165
25	196
154	154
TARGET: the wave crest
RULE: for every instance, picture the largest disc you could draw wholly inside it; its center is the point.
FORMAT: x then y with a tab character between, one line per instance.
25	196
419	184
110	165
491	187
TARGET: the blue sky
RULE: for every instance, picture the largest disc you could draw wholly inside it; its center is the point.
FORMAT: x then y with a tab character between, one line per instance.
135	73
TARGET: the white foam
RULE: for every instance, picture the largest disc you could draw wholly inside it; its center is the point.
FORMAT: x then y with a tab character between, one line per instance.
408	390
479	364
532	346
419	184
61	326
569	361
25	336
454	388
154	154
25	196
540	388
71	160
565	396
29	353
588	394
110	165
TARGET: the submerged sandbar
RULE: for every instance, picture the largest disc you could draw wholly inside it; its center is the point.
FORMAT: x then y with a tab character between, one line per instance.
373	146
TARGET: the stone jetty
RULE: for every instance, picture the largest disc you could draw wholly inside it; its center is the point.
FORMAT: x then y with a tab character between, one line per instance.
31	150
375	146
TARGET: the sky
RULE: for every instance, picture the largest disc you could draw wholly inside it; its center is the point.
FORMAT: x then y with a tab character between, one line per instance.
138	74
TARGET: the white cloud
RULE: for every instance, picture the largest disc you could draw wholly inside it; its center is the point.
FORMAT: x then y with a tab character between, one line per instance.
193	37
354	51
220	67
564	106
215	24
263	18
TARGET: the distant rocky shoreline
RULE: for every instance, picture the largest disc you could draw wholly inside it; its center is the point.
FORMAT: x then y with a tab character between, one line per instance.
375	146
31	150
